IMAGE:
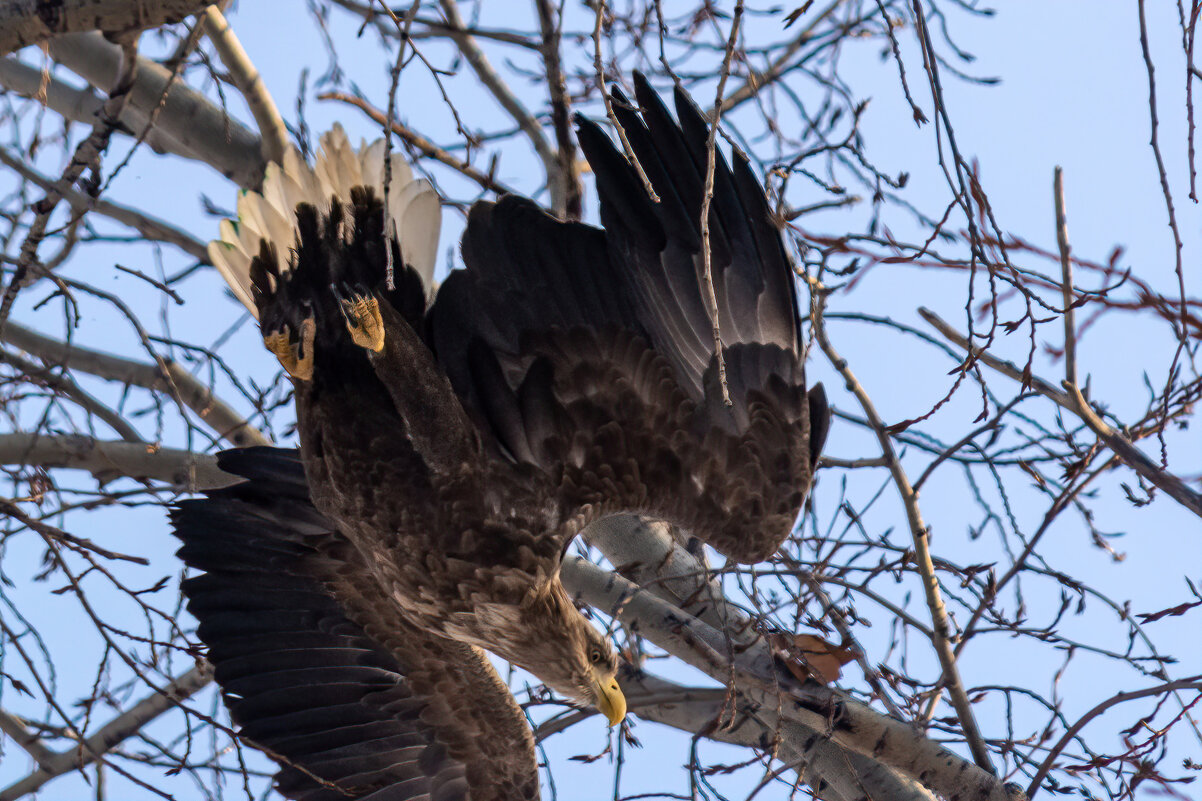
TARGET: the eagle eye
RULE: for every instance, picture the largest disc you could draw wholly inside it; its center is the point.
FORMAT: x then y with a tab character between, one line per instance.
596	656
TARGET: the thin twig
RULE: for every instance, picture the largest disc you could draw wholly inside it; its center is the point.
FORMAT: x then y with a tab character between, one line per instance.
493	82
421	143
73	542
1194	682
123	726
852	464
170	377
920	534
394	81
1182	321
86	156
707	197
915	111
1072	400
1154	142
1189	34
599	76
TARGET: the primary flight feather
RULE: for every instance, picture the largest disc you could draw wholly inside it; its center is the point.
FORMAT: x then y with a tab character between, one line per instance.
451	449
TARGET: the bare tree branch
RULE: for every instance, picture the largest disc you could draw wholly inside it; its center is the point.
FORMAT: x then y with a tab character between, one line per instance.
85	157
220	417
851	724
707	197
646	553
26	22
57	535
77	105
111	460
112	733
599	77
151	228
15	728
67	387
205	131
273	134
437	28
1066	283
835	772
1191	683
570	192
757	80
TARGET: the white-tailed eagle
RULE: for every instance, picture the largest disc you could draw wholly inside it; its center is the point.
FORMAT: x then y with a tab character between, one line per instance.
452	444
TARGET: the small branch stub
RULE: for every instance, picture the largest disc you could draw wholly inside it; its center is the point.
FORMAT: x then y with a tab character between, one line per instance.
1066	279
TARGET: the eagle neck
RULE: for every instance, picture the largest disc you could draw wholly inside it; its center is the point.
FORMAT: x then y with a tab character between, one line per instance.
544	634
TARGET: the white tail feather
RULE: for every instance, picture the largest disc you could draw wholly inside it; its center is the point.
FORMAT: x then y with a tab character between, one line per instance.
414	209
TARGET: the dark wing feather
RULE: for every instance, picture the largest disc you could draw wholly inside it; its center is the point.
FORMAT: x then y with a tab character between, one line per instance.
371	705
542	275
591	353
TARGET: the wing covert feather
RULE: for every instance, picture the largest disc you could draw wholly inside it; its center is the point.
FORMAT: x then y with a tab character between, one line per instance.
591	354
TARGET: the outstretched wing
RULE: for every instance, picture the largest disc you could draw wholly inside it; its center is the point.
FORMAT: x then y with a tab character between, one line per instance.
317	668
591	354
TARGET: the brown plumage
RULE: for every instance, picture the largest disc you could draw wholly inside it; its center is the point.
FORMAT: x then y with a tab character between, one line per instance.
449	455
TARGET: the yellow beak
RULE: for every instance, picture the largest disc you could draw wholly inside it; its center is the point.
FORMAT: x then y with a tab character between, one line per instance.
610	701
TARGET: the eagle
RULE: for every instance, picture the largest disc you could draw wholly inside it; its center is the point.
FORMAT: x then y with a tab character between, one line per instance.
453	442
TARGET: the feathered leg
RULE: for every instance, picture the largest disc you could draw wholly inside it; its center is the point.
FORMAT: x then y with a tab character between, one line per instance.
438	425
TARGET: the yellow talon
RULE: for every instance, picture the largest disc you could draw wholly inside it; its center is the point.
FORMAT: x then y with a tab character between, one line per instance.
304	356
364	322
296	357
278	343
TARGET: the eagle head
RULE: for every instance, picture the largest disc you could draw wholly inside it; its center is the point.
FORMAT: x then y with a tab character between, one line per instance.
598	682
556	643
